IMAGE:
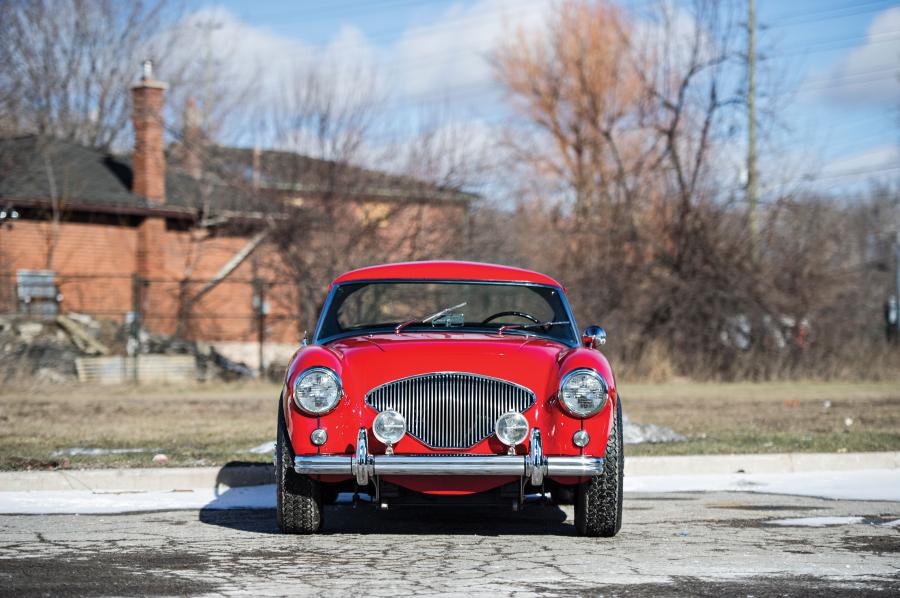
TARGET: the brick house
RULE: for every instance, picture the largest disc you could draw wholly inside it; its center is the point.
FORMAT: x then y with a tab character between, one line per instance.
181	239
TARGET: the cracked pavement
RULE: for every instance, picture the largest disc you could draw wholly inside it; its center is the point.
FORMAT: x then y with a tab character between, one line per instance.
706	544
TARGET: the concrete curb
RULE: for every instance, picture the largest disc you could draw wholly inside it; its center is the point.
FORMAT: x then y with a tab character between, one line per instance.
189	478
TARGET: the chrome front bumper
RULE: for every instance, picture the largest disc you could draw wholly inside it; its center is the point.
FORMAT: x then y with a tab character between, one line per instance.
364	466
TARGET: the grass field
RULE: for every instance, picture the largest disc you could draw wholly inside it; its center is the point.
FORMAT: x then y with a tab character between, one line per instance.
211	425
768	417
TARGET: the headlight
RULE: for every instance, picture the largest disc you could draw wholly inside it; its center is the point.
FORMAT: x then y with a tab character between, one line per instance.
389	427
583	392
512	428
317	391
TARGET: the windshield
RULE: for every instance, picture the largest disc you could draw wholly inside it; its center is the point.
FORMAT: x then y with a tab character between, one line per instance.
367	307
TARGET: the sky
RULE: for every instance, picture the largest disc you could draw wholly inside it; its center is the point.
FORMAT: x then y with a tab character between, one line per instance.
835	65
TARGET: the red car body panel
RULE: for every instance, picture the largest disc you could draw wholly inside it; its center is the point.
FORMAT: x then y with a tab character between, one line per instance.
365	362
446	270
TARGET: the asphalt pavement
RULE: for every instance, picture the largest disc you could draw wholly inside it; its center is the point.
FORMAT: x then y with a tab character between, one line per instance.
697	544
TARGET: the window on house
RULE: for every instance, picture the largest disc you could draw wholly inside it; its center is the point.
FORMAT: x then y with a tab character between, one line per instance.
37	292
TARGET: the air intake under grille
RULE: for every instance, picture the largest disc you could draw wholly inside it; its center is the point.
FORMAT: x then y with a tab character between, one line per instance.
450	409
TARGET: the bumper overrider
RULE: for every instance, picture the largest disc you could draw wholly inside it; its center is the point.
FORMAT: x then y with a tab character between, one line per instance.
534	466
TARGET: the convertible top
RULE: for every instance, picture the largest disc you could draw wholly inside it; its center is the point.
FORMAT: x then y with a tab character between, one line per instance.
446	270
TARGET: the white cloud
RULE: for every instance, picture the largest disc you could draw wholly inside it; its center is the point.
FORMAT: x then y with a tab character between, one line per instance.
870	73
667	36
446	56
451	52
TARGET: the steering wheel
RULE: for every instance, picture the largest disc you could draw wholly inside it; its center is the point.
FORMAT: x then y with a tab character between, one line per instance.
519	314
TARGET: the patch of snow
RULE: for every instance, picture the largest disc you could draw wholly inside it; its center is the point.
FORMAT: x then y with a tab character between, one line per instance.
633	433
262	449
816	521
865	484
851	485
894	523
93	452
87	502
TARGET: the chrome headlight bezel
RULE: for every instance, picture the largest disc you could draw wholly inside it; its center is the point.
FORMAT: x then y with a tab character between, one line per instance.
574	409
305	374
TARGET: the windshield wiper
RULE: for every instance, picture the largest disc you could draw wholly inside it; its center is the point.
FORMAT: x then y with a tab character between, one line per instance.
503	329
428	319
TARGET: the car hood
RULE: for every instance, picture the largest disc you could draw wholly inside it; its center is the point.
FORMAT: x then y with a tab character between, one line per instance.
368	361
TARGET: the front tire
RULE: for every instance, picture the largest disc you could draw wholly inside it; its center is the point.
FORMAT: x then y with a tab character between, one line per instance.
299	497
598	502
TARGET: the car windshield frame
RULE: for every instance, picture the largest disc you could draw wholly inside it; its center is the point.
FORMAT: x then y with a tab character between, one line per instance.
531	332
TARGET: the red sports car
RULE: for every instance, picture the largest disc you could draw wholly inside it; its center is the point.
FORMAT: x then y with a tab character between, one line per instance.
459	380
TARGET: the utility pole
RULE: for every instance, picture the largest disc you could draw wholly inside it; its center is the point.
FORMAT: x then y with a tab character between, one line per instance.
897	283
134	344
752	190
261	309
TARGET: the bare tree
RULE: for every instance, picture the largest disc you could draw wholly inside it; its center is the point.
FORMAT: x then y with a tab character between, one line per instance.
67	65
630	118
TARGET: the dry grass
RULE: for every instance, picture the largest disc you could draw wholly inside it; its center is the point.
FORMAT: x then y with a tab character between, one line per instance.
768	417
211	425
191	425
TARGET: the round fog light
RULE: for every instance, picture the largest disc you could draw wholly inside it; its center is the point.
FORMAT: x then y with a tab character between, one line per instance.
512	428
581	438
389	427
318	437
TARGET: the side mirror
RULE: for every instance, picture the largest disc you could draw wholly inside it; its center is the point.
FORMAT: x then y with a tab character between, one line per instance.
593	337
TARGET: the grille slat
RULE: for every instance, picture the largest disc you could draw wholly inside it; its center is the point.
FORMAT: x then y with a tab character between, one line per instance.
450	409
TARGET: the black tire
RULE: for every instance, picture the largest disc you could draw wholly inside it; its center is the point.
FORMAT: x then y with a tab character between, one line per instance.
598	503
299	497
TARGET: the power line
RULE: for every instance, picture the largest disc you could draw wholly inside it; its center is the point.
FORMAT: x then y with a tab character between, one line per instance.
833	45
852	173
824	15
881	69
849	81
823	9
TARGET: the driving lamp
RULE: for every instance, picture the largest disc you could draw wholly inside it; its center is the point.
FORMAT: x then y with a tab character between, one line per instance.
512	429
389	427
317	391
583	392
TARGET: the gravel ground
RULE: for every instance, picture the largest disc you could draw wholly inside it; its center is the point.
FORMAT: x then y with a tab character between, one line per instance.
698	544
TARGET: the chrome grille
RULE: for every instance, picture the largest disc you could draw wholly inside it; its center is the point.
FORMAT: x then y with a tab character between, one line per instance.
450	409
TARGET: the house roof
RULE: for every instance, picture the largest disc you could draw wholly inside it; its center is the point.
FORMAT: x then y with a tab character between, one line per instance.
34	169
296	173
446	270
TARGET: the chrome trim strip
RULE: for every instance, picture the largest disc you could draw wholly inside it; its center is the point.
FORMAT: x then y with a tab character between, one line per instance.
439	465
322	465
574	466
364	466
536	458
361	465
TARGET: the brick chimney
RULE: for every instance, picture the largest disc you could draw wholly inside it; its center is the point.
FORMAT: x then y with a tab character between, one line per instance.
149	160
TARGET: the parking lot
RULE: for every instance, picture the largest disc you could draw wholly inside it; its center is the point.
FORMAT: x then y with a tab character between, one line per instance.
706	544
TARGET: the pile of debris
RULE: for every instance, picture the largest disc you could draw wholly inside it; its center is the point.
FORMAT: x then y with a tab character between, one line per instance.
47	349
633	433
44	349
